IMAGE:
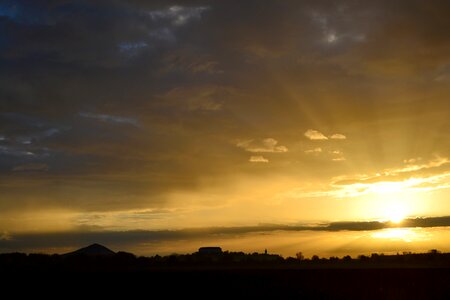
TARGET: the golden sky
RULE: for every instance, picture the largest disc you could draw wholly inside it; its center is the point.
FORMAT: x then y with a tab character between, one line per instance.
124	116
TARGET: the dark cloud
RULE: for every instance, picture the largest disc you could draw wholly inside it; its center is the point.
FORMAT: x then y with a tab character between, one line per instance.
23	242
109	118
31	167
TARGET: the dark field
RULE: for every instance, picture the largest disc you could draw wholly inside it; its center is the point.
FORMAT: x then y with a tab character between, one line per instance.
313	283
229	275
238	283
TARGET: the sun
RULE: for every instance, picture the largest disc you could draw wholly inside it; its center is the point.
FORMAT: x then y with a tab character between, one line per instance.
391	198
395	213
396	217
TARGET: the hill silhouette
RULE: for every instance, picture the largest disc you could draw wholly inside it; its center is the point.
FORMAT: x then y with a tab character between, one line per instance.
92	250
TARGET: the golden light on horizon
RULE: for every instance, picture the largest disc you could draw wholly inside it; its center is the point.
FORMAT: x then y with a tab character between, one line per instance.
404	234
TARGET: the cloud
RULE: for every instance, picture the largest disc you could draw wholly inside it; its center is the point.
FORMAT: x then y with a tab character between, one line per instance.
34	137
388	181
408	171
5	236
338	158
191	61
331	32
28	139
209	67
412	160
338	136
268	145
178	15
337	155
15	151
110	118
163	34
315	135
412	165
388	186
314	151
132	48
258	159
169	19
207	98
37	167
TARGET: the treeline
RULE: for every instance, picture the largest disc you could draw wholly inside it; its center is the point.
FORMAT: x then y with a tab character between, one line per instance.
123	261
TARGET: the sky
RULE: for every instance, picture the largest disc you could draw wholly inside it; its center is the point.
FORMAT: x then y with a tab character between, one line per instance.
161	126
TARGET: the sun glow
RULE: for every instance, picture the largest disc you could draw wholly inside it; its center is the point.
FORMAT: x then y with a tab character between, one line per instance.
395	200
395	213
387	187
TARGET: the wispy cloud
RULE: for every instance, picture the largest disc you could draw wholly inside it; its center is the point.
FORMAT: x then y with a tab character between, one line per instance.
331	35
132	48
314	151
207	98
338	136
394	180
315	135
35	167
412	160
178	15
414	165
258	159
191	62
15	151
163	34
337	155
37	136
261	146
340	158
110	118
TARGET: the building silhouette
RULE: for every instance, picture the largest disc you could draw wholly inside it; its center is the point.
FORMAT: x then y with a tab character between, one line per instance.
210	250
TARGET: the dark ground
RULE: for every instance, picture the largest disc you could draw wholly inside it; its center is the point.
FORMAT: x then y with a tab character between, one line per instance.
224	276
242	283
